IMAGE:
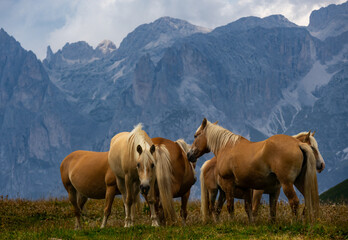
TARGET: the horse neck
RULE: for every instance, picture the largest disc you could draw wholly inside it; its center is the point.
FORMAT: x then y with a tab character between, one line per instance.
219	138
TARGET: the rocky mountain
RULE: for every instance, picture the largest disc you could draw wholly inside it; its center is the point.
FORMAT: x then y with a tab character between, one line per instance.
330	21
78	53
257	76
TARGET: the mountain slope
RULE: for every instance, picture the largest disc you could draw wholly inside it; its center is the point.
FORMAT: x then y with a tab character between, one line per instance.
336	194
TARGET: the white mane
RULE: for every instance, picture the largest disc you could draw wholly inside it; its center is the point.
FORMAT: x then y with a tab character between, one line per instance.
184	146
218	137
313	143
139	137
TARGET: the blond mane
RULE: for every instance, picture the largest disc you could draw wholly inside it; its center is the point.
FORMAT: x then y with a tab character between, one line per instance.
218	137
184	146
313	143
138	137
164	178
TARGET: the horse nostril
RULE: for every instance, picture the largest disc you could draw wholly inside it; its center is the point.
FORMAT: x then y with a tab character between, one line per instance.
191	157
144	188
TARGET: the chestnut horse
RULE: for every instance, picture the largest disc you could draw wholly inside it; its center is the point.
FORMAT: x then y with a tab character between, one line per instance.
131	157
86	175
266	165
180	177
210	187
305	137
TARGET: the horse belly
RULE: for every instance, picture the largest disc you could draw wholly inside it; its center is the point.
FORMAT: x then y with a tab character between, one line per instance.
90	187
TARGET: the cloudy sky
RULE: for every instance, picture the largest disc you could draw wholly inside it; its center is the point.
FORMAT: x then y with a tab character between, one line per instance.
39	23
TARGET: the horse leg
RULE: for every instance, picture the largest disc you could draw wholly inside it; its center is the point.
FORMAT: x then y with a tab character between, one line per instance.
135	194
211	202
257	195
273	199
152	205
73	200
81	200
121	183
220	203
109	199
292	197
129	201
299	183
183	211
247	203
230	205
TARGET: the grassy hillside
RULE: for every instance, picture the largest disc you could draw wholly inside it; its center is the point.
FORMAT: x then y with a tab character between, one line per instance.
53	219
336	194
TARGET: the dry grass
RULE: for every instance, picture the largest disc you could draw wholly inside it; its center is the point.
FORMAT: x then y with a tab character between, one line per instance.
44	219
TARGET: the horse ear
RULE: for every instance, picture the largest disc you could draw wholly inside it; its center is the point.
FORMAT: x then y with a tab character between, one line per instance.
152	149
139	149
313	134
307	136
204	123
215	122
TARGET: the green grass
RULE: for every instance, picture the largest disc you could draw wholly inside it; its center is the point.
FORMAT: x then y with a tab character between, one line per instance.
54	219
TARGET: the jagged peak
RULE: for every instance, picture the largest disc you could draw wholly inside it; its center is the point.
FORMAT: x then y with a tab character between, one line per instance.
106	47
49	53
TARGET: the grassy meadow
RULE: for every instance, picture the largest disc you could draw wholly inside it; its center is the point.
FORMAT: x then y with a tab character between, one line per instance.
54	219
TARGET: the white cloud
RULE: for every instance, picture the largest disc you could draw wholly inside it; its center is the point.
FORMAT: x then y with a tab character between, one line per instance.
38	23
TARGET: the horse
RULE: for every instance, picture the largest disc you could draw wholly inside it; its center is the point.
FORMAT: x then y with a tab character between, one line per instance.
210	187
180	176
305	137
86	175
131	158
266	165
209	190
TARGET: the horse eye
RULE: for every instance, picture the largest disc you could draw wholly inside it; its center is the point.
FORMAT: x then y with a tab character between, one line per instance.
152	165
195	136
138	165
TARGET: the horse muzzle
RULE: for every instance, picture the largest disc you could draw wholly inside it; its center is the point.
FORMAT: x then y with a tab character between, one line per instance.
144	189
321	167
191	156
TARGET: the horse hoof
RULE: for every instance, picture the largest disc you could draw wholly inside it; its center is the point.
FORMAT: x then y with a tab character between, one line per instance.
155	224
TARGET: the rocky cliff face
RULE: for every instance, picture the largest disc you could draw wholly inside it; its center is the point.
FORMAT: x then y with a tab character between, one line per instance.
31	127
258	77
330	21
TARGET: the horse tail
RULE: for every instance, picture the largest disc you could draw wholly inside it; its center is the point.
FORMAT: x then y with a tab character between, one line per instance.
311	194
204	194
164	181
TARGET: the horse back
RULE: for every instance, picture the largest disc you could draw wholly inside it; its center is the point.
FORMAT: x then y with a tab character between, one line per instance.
259	164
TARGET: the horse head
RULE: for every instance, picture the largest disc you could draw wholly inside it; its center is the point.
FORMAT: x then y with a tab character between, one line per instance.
200	144
310	140
146	168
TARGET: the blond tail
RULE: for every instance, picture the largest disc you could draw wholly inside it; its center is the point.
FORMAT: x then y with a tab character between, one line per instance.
311	194
164	181
204	195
